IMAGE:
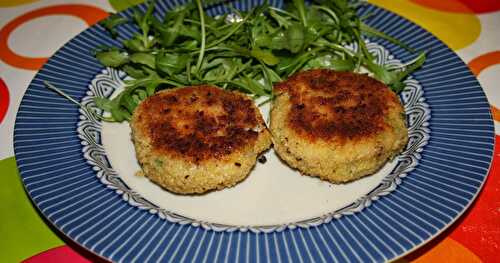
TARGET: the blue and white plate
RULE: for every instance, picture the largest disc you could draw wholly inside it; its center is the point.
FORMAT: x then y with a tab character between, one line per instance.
81	173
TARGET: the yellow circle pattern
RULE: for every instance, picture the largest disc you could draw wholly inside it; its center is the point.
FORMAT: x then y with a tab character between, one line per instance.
10	3
457	30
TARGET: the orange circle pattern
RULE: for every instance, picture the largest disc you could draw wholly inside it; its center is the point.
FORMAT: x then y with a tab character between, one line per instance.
89	14
482	62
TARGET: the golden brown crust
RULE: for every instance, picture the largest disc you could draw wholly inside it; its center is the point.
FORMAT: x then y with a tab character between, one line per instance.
198	123
336	106
336	126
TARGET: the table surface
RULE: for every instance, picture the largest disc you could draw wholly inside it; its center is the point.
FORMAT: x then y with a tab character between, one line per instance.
31	31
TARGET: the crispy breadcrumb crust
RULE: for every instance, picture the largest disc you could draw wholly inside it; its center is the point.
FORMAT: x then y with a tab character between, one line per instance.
196	139
339	126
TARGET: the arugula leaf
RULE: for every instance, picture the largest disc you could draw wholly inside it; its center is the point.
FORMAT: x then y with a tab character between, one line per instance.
248	51
328	62
301	9
146	59
112	21
265	56
103	103
120	5
135	44
203	34
134	71
373	32
112	58
295	37
411	67
171	63
283	21
394	78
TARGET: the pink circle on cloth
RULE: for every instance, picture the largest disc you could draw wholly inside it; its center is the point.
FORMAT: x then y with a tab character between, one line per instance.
4	100
61	254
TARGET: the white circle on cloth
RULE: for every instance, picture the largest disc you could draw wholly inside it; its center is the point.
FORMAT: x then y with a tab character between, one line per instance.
43	36
489	81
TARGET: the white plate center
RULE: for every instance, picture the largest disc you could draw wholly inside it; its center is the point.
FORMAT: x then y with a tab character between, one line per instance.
273	194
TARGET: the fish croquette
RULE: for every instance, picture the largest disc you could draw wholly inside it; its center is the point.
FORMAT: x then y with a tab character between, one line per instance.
338	126
196	139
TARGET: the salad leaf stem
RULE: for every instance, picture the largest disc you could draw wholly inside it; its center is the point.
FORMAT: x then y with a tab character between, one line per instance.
301	8
329	12
373	32
89	110
199	5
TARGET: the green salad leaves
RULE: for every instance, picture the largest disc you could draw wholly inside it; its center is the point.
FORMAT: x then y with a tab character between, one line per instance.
248	51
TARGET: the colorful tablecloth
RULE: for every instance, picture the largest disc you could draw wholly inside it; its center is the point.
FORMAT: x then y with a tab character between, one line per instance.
31	31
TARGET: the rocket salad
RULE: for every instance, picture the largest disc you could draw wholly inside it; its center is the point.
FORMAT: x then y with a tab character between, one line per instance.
248	51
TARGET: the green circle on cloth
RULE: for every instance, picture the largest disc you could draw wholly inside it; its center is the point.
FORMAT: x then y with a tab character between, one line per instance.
120	5
23	232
